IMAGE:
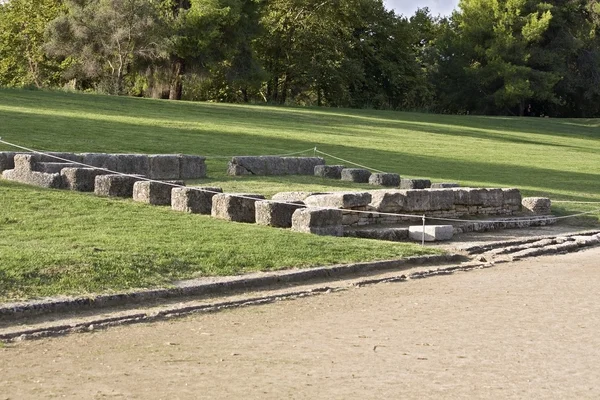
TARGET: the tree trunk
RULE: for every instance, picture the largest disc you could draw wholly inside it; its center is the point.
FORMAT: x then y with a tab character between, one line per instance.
176	86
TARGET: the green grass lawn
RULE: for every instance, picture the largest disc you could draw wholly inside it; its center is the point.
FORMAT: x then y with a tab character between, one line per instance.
57	242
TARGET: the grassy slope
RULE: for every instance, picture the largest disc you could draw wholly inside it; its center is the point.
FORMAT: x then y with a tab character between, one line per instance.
47	246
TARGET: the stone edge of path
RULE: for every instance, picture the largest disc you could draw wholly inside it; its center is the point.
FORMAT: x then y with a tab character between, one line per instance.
212	286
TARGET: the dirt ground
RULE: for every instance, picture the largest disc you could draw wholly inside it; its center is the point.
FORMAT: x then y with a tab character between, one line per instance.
521	330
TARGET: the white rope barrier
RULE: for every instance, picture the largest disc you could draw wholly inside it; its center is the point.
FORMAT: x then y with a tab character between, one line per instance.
347	161
268	155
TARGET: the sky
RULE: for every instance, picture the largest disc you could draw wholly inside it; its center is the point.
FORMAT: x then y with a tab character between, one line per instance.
408	7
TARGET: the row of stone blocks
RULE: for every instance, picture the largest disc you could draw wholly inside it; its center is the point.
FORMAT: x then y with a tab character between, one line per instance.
272	165
43	170
358	175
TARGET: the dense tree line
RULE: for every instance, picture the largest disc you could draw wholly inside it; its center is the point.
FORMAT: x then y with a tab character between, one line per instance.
511	57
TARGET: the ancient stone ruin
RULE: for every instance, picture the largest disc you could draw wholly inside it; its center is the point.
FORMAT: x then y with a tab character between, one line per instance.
271	165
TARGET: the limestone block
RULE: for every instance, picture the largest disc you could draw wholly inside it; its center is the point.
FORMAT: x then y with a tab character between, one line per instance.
417	200
101	160
53	167
54	156
192	167
7	160
293	196
306	165
232	207
339	200
385	179
388	201
155	193
80	179
291	165
196	200
8	174
383	233
114	185
163	166
432	233
136	164
492	198
468	196
248	166
24	162
512	197
276	214
444	185
356	175
537	205
236	170
274	166
329	171
320	221
415	183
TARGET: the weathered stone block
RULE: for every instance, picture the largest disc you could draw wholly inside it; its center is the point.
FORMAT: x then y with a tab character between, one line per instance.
339	200
236	170
101	160
196	200
164	166
276	214
24	162
54	156
239	207
80	179
9	174
293	196
468	196
432	233
114	185
155	193
512	197
381	233
306	165
7	160
415	183
136	164
192	167
274	166
492	198
320	221
444	185
385	179
247	166
356	175
388	201
329	171
53	167
537	205
291	164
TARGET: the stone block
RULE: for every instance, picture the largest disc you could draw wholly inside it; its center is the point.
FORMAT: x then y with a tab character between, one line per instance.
356	175
248	165
276	214
275	166
192	167
293	196
417	200
512	197
492	198
380	233
319	221
537	205
339	200
9	174
306	165
291	165
385	179
236	170
24	162
432	233
54	156
80	179
415	183
101	160
388	201
444	185
195	200
135	164
115	185
7	160
329	171
468	196
238	207
163	166
154	193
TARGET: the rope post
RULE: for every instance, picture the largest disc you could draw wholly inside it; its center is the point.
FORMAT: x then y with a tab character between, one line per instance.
315	149
423	232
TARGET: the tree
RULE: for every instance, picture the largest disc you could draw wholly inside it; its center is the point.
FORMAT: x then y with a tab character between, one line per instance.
22	58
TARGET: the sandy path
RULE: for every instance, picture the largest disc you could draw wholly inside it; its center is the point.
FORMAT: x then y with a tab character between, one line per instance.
522	330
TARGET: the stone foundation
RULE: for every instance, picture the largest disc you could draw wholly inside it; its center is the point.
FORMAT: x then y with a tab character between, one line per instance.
80	179
114	185
278	215
271	165
154	193
197	200
319	221
231	207
356	175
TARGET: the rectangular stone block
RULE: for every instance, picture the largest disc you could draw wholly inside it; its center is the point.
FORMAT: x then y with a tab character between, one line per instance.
101	160
24	162
80	179
468	196
291	165
293	196
415	183
444	185
251	165
432	233
154	193
115	185
537	205
53	167
238	207
192	167
385	179
7	160
276	214
164	166
329	171
492	198
54	156
512	197
319	221
195	200
356	175
339	200
274	166
135	164
306	165
388	201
